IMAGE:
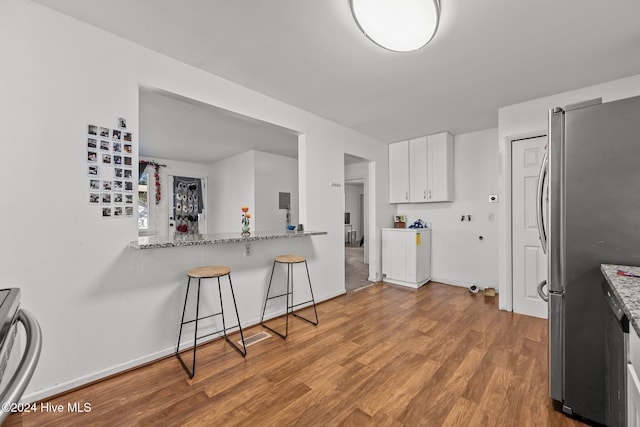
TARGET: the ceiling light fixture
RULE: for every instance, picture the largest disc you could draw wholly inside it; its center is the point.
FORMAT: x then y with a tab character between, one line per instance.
397	25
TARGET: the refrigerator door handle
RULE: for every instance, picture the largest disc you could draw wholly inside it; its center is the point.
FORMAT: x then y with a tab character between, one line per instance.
543	295
542	179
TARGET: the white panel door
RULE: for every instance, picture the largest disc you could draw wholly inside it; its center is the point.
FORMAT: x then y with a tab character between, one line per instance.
529	261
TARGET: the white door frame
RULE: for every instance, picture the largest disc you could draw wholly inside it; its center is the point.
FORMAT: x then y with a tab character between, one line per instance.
505	259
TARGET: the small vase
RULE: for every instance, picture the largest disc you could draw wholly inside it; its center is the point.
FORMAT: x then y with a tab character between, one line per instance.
246	230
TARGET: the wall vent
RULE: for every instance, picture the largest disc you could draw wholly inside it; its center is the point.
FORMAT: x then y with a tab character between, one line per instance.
260	336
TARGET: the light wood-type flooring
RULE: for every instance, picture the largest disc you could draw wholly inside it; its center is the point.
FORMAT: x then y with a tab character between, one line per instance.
384	355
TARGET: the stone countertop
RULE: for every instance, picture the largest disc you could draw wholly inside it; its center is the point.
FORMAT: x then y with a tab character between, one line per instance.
155	242
627	289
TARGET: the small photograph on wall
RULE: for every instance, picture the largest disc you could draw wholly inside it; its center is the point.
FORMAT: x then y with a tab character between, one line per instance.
106	212
128	186
104	132
128	211
128	149
105	145
116	135
127	161
117	186
92	143
117	147
93	171
117	173
128	173
128	199
107	185
122	123
117	160
94	198
94	184
127	136
106	159
117	198
92	156
117	211
106	199
92	129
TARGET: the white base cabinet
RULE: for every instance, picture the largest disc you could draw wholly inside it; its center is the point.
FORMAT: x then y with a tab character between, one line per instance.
406	256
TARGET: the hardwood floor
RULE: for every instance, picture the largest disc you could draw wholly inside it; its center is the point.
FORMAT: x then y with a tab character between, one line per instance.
384	355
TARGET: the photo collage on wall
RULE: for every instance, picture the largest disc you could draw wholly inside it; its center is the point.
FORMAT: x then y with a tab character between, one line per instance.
109	167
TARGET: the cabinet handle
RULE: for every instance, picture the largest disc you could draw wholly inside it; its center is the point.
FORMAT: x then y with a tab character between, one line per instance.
406	195
429	194
425	194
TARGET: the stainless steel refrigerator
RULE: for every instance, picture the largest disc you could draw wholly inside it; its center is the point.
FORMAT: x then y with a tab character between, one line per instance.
589	214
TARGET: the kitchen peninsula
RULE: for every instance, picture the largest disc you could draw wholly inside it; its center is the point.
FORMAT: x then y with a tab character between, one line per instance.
154	242
159	264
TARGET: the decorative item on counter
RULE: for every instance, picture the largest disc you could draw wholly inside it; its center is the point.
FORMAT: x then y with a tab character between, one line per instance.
246	230
419	224
399	221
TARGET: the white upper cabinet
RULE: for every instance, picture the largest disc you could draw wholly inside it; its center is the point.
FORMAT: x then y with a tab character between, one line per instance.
421	169
399	172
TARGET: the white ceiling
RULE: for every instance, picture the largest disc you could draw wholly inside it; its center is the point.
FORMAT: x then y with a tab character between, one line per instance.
310	53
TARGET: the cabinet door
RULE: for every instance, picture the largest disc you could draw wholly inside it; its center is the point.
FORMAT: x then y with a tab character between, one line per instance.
399	172
440	167
418	187
394	255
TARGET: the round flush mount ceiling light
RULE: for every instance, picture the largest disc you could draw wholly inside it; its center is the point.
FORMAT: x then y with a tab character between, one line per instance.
397	25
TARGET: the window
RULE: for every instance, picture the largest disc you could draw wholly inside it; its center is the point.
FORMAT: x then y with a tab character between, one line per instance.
146	204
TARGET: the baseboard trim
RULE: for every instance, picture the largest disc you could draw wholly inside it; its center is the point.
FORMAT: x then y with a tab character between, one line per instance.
104	374
459	283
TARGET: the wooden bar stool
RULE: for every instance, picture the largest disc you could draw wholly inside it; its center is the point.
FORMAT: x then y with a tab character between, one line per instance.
290	260
210	272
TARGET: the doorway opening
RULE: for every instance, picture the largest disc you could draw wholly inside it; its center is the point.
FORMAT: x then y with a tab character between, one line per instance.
356	223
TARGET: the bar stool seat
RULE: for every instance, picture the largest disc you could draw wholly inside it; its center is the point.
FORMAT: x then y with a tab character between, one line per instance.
290	260
208	272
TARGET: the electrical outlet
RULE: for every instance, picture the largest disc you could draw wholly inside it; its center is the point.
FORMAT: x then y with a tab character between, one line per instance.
492	217
247	249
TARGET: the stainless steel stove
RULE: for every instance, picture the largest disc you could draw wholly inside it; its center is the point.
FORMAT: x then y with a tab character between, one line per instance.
16	370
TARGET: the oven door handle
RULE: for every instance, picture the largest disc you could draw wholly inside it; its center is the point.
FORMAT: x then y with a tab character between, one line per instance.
27	365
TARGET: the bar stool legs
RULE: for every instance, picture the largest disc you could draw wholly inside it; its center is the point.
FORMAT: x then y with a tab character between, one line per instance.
208	273
290	260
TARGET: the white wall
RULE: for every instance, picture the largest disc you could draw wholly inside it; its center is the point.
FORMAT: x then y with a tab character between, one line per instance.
274	174
231	186
104	307
459	257
526	119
